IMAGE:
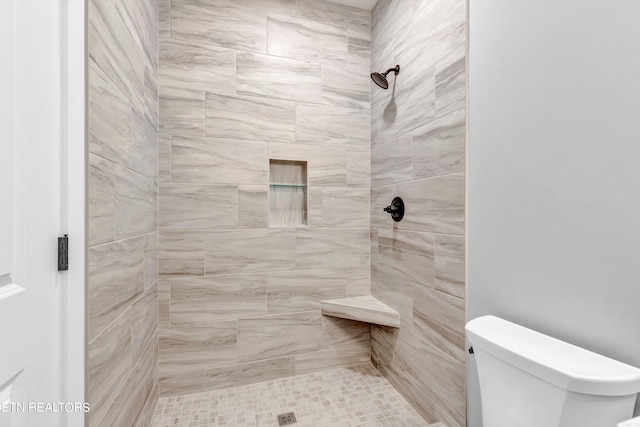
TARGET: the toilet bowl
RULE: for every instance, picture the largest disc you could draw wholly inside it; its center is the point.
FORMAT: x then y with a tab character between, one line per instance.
528	379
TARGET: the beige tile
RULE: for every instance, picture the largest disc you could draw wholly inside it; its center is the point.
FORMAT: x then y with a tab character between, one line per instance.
228	251
334	14
358	168
440	319
116	278
358	281
451	84
331	248
197	300
279	335
181	383
192	348
439	147
102	203
144	322
391	162
150	260
337	332
164	12
277	77
108	364
321	124
249	373
198	207
164	302
252	118
164	158
450	265
181	253
136	204
219	161
182	112
359	52
292	291
253	206
381	197
363	309
407	254
141	20
296	37
145	148
395	291
345	207
314	206
337	357
343	87
326	165
197	66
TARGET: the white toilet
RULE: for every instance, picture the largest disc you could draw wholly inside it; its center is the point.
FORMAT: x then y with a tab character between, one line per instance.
528	379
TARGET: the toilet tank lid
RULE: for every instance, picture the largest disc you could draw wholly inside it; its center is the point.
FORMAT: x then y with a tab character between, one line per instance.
565	365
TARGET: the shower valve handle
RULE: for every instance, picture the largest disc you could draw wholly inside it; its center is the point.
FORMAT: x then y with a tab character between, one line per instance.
396	209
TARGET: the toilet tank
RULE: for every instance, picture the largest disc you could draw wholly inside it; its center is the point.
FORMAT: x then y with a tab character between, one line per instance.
528	379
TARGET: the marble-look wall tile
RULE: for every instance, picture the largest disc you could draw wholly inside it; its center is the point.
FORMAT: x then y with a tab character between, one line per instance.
195	347
227	251
249	373
359	52
341	16
181	253
320	124
116	278
439	147
151	108
295	37
393	290
198	207
343	87
358	281
451	85
253	206
358	168
182	111
144	322
141	19
345	207
136	204
164	16
450	265
302	290
102	220
150	260
276	77
437	204
181	383
279	335
326	165
145	137
197	66
440	318
331	248
164	303
391	162
164	158
108	365
219	161
251	118
314	206
390	19
199	300
381	197
407	254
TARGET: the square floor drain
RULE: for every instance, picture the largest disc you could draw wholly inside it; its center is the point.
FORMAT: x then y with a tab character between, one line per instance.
286	419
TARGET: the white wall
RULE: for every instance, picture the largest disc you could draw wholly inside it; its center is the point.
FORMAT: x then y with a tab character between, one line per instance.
554	171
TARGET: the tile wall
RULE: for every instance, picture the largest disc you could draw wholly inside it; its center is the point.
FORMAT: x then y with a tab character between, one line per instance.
418	153
242	82
123	196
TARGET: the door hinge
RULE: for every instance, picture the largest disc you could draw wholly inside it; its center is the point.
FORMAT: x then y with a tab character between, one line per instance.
63	253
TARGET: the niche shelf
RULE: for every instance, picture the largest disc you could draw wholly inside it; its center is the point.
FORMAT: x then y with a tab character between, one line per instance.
363	309
287	193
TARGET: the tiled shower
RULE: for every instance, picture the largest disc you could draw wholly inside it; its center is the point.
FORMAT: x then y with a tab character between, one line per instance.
194	286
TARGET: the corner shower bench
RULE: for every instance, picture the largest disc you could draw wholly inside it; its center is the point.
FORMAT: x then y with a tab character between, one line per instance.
363	309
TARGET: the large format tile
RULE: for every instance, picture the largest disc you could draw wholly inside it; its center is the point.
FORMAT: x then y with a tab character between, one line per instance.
150	260
345	207
249	373
182	111
439	147
164	17
359	281
108	364
219	161
141	19
449	265
440	318
253	206
323	124
301	290
395	291
198	207
407	254
116	278
197	66
359	53
358	168
326	165
227	252
164	158
192	348
343	87
144	322
451	84
145	137
364	309
181	383
252	118
136	204
181	253
341	16
102	203
331	248
279	335
275	77
391	162
198	300
295	37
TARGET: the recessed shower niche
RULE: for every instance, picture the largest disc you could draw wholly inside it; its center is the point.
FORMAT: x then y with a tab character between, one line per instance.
287	193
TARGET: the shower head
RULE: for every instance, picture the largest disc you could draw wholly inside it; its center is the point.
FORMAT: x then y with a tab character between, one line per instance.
381	79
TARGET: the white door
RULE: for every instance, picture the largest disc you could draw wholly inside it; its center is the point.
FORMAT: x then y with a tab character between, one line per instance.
38	344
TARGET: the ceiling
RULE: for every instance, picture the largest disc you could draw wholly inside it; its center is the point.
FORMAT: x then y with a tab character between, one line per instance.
361	4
